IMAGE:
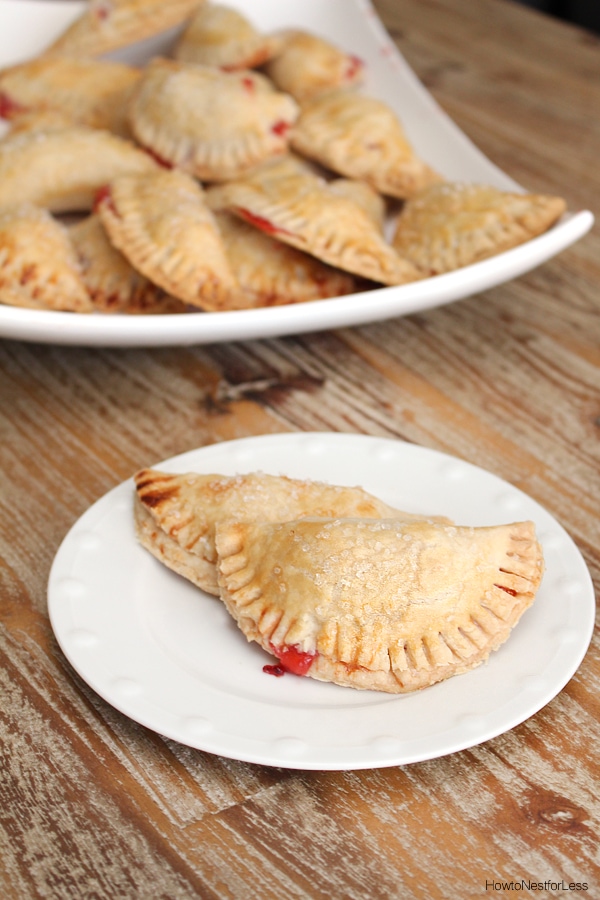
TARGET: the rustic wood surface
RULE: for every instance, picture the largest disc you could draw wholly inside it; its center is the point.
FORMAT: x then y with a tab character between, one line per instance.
94	805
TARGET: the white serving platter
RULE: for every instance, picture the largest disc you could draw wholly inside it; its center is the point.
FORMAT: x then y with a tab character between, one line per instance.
28	26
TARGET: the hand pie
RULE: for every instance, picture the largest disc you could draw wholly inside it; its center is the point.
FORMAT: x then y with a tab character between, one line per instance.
161	223
113	285
107	25
213	124
89	92
383	605
176	515
293	205
38	266
221	36
270	273
361	137
452	225
62	168
308	65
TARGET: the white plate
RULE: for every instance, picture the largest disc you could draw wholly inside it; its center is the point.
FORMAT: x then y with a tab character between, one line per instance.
27	26
170	657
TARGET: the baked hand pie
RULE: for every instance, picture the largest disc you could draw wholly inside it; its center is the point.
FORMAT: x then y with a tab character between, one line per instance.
385	605
218	35
113	285
271	273
308	65
176	515
87	91
61	169
162	224
451	225
38	265
213	124
106	25
361	137
294	205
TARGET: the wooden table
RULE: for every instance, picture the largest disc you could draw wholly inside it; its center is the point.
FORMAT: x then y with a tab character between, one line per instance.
94	805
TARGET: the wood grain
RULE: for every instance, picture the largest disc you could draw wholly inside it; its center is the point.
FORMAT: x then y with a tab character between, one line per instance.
93	805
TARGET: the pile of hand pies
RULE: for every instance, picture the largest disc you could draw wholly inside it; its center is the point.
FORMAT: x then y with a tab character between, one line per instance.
242	170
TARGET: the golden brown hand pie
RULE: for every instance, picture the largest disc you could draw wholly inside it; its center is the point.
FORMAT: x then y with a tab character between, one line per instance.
271	273
106	25
38	266
112	282
361	137
218	35
383	605
161	223
309	64
293	205
89	92
176	515
61	169
452	225
213	124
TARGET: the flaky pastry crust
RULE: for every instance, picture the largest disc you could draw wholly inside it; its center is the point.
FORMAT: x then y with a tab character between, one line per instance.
218	35
113	284
361	137
213	124
161	223
38	265
176	515
86	91
297	207
106	25
451	225
308	64
383	605
271	273
61	169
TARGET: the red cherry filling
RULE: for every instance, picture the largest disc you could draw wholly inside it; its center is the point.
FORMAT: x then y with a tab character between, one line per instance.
507	589
355	65
277	671
104	196
280	128
102	11
260	222
9	107
291	659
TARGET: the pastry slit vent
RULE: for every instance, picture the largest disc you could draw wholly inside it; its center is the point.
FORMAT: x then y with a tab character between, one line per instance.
197	537
443	638
467	637
427	652
268	624
478	625
410	658
492	611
